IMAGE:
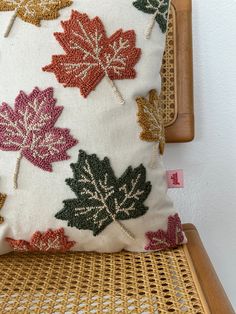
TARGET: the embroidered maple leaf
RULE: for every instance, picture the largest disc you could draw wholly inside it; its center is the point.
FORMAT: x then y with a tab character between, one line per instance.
101	197
161	240
33	11
29	129
46	242
2	202
151	119
159	10
91	55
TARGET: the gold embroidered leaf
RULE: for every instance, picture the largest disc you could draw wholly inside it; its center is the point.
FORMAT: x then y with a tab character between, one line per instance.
2	201
151	119
33	11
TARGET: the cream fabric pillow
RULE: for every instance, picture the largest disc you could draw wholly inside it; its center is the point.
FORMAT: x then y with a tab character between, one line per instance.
109	199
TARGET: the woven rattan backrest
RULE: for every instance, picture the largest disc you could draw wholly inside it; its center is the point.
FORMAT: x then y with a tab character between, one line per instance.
177	74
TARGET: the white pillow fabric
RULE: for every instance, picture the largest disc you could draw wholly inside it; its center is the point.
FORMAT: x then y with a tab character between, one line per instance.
95	204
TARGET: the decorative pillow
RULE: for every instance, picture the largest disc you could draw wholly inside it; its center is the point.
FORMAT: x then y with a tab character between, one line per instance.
80	164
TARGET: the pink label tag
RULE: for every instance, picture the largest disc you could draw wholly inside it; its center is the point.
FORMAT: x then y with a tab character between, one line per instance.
175	179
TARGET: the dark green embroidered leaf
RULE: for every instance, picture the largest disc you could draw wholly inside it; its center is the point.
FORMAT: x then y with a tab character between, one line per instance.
101	197
159	10
145	6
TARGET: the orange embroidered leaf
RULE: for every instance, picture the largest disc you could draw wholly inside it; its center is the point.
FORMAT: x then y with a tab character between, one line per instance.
33	11
47	242
151	119
91	55
2	202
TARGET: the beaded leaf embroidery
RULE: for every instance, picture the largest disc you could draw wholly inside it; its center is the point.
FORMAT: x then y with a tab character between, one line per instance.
91	55
101	198
33	11
29	129
161	240
2	202
46	242
158	9
151	119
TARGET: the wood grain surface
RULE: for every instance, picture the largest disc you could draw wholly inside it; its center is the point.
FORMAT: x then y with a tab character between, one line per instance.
183	128
213	291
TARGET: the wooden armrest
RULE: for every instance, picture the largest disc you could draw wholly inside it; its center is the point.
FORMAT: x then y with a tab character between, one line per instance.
214	293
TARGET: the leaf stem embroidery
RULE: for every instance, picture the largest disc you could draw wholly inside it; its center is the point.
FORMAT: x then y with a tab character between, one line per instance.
153	161
150	26
91	55
11	22
116	91
17	170
101	197
29	129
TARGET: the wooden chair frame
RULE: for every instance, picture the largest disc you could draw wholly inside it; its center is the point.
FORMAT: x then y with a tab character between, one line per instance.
182	129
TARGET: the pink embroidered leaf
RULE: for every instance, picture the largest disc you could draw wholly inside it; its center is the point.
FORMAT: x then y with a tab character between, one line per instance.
29	129
91	55
161	240
47	242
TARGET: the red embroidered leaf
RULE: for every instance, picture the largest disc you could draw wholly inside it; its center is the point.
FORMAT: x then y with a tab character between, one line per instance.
161	240
91	55
49	241
19	245
29	129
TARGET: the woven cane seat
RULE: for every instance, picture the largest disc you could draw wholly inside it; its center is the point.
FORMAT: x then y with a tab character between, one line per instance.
100	283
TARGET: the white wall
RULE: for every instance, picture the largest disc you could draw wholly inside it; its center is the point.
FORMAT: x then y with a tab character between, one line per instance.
209	197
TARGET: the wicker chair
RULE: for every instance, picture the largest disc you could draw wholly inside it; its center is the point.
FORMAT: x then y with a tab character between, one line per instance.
178	281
